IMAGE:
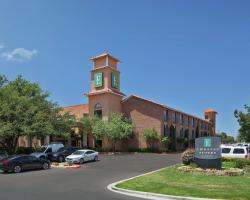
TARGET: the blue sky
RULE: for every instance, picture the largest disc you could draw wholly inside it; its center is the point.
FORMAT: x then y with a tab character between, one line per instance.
190	55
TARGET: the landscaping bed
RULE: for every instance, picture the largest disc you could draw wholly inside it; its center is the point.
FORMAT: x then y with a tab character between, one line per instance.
230	182
172	182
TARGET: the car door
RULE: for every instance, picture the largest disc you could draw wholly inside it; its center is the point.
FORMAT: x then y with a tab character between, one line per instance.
35	162
87	156
91	155
25	162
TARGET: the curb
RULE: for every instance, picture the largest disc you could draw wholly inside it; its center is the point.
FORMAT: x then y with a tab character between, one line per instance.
66	167
147	195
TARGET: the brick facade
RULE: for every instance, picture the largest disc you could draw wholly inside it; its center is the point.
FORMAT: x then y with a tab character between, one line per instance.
104	98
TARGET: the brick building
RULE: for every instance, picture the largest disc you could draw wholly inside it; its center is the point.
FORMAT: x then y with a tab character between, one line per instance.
105	97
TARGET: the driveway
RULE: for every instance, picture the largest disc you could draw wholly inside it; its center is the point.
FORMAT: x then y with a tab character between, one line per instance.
87	183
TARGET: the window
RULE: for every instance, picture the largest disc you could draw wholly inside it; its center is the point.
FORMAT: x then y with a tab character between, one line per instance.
193	134
165	115
98	110
173	117
226	150
89	152
181	133
193	122
181	119
186	120
165	130
177	118
238	151
49	150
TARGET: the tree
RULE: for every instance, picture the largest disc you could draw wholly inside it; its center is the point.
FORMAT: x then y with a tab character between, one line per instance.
26	111
118	128
225	139
151	136
98	127
86	124
166	141
244	121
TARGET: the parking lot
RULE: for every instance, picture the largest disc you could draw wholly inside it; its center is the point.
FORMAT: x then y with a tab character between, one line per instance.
88	182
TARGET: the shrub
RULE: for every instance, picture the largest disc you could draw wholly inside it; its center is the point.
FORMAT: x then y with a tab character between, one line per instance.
237	162
25	150
210	172
145	150
151	136
188	156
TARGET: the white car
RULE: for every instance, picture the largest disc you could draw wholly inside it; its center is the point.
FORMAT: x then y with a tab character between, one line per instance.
234	152
81	156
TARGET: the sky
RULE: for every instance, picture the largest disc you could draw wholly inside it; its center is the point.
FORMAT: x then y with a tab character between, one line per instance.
189	55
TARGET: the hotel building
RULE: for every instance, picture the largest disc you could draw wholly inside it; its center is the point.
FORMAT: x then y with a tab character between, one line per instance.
105	97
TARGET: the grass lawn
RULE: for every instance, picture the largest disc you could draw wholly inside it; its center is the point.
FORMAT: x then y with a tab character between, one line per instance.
171	182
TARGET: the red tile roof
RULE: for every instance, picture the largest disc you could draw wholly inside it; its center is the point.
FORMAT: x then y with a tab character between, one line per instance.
78	110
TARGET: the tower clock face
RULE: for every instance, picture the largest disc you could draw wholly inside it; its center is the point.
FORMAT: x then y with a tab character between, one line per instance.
114	80
98	79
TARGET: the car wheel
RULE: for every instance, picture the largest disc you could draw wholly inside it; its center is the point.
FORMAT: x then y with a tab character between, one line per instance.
60	159
42	157
17	169
81	161
96	158
45	166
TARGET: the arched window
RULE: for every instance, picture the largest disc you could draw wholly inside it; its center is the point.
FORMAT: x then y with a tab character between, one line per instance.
98	110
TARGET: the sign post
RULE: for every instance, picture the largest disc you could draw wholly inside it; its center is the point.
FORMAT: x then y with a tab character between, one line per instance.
208	152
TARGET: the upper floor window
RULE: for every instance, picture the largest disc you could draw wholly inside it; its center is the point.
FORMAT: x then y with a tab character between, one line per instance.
173	117
186	120
177	118
181	119
165	115
98	110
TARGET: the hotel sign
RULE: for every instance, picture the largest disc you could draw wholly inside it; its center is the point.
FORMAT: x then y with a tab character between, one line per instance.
114	80
208	152
98	79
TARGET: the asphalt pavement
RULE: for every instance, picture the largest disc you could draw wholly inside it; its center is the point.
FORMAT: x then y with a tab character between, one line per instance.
87	183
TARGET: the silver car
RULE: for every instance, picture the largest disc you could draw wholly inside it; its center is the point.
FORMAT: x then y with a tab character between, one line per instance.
81	156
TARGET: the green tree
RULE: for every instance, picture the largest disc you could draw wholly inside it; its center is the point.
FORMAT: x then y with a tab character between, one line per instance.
151	136
244	121
26	111
166	141
98	127
86	125
226	139
118	128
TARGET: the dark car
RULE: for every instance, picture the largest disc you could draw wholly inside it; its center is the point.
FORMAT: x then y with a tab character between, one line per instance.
3	155
61	154
18	163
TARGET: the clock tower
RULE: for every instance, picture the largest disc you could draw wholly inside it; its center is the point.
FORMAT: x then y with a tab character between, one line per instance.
105	96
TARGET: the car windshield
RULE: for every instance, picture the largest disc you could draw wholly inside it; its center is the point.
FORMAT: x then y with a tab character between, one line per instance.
78	153
42	149
61	149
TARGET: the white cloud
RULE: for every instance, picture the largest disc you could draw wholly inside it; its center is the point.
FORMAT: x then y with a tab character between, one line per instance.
19	54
